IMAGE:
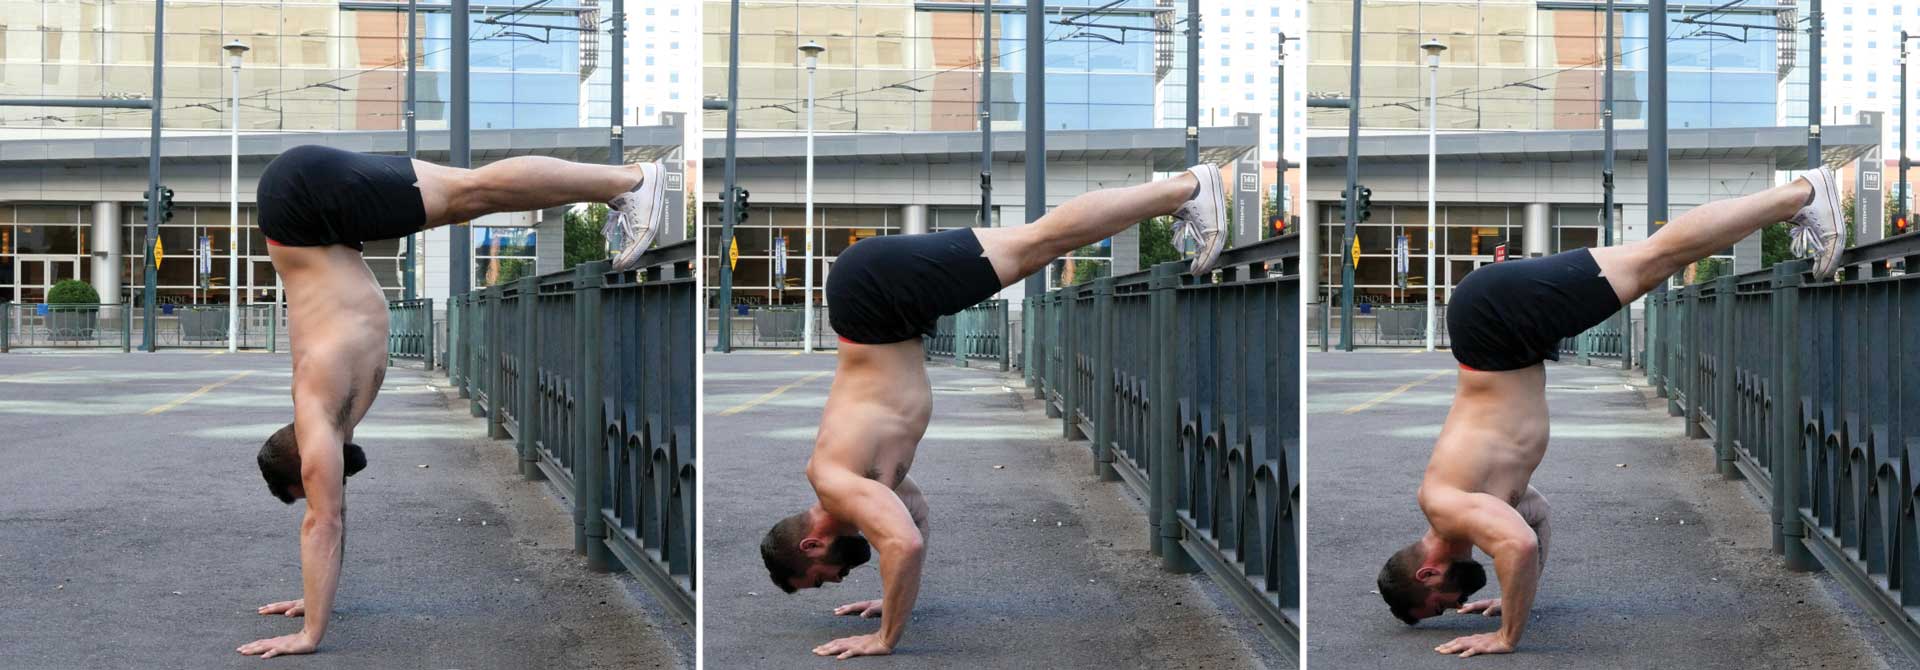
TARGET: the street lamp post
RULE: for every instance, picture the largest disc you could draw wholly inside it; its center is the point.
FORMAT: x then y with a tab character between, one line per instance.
810	55
1433	48
235	50
1900	208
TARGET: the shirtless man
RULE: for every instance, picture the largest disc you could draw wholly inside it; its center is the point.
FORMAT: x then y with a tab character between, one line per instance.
1506	319
317	206
883	295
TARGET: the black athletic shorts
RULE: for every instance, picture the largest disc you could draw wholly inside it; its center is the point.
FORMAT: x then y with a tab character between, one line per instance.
313	196
895	288
1512	315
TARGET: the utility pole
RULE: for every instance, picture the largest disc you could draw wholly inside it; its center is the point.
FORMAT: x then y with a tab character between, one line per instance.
727	200
986	114
1353	187
459	151
1624	320
617	117
1193	81
1280	204
1900	208
1036	126
149	294
1814	21
413	142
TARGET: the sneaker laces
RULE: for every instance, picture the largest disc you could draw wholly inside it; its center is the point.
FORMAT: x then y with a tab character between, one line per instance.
1807	240
614	229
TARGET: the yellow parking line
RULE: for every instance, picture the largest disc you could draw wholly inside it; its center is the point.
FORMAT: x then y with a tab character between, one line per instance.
742	407
1362	407
182	400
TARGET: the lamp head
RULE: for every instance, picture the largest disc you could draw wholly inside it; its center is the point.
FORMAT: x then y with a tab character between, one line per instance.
236	48
810	53
1433	49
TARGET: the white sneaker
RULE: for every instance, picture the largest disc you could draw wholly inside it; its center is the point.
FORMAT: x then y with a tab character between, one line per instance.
1204	216
637	216
1817	226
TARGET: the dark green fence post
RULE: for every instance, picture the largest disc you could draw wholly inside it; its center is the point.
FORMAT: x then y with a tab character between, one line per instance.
1690	364
1656	318
1069	349
1103	387
1165	477
1675	335
960	323
1724	373
427	337
1792	415
589	460
126	329
1003	316
526	379
6	326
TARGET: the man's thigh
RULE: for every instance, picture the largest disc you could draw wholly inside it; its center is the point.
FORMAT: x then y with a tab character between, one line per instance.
1011	251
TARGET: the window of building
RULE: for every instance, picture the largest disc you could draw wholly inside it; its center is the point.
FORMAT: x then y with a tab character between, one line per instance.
501	254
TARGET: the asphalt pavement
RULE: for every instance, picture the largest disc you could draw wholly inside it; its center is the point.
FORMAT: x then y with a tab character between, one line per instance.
1032	562
1655	560
135	531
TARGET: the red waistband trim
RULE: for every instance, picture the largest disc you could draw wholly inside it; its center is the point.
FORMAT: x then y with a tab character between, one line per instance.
844	339
272	243
1463	366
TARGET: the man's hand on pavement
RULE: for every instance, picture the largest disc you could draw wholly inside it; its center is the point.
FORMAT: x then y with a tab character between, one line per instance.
297	643
858	645
1489	607
286	607
1471	645
865	609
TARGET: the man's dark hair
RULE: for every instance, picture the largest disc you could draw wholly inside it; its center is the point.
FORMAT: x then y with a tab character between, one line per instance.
1401	587
780	549
280	462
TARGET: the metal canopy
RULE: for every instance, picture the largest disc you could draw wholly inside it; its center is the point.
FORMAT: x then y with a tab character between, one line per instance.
1787	146
586	145
1163	147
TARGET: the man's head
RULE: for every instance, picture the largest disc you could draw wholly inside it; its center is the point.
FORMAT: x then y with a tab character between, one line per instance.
1416	589
797	558
280	464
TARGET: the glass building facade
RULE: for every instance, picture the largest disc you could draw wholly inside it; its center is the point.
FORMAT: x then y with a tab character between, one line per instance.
1465	240
312	66
892	65
1540	66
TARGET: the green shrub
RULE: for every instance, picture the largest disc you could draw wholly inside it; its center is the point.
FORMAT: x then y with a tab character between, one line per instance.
72	292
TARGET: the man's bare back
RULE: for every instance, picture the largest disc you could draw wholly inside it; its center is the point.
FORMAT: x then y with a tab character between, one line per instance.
1495	434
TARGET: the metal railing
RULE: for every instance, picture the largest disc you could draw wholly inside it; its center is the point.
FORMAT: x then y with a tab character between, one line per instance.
772	327
1379	326
1602	341
1188	388
591	374
977	333
410	330
1806	389
40	325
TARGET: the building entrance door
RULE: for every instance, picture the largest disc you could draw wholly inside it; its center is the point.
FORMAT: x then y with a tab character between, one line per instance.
35	275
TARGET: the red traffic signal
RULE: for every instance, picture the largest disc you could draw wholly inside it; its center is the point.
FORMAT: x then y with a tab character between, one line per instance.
1899	225
1279	224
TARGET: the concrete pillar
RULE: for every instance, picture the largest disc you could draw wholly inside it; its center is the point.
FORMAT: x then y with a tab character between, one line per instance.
106	252
913	219
1536	233
550	239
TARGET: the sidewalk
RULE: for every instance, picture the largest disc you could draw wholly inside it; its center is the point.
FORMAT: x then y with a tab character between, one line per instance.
1036	564
135	530
1655	561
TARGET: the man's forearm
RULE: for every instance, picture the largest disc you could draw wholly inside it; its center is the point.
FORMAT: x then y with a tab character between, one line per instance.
900	582
321	537
1518	568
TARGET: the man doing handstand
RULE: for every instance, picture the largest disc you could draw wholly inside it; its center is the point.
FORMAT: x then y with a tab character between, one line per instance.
883	295
1506	319
318	205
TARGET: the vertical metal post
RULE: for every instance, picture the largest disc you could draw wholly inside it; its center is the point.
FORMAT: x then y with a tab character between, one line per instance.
1900	208
149	294
1433	174
1280	205
1036	127
617	115
1353	186
1623	320
413	149
1657	167
806	293
589	450
1723	374
1103	394
1814	21
6	323
459	153
727	200
1164	431
1193	81
986	115
233	217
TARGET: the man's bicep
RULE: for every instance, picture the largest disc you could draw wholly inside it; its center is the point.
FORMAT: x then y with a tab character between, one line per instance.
871	506
916	502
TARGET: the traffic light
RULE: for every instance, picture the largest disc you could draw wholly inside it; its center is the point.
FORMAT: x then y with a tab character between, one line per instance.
1899	225
739	205
1366	203
166	204
1278	223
